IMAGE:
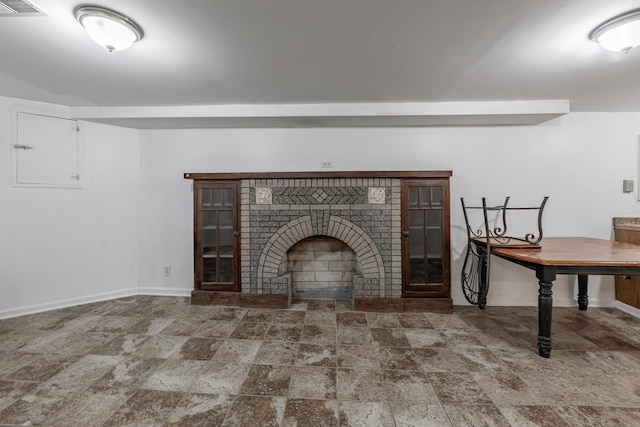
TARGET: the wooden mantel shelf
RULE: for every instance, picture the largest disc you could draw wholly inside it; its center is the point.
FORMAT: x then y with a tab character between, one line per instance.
315	174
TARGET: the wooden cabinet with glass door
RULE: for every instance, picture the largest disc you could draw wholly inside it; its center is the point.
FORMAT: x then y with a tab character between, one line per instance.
216	236
426	268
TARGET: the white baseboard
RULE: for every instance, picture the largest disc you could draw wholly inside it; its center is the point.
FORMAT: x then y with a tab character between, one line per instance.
54	305
557	302
182	292
105	296
627	309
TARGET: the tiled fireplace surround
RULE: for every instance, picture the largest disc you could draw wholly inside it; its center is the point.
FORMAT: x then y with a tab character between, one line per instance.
363	213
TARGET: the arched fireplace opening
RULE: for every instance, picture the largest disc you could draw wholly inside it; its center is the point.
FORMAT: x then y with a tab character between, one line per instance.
321	267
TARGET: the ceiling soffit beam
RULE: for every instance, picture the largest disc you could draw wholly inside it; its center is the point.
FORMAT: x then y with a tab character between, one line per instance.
330	114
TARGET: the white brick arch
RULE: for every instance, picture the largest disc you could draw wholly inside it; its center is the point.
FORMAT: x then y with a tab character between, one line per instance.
352	235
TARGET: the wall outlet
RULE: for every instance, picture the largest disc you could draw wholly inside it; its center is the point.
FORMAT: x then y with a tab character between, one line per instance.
627	186
167	270
327	164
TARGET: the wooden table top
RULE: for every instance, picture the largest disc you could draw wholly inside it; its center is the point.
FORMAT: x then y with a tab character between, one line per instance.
575	251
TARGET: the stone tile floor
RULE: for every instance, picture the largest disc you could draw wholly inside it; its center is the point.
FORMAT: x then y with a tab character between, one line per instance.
159	361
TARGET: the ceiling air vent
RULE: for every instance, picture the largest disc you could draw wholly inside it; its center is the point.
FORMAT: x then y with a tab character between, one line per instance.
19	8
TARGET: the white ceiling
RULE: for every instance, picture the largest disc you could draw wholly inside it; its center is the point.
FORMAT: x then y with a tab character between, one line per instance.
211	52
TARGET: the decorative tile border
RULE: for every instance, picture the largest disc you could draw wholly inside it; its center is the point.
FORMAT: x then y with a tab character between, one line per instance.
264	196
377	195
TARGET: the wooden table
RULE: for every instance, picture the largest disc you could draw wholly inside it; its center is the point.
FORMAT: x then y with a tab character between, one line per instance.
581	256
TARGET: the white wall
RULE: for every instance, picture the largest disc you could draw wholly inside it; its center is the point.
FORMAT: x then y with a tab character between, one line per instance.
579	160
134	214
66	246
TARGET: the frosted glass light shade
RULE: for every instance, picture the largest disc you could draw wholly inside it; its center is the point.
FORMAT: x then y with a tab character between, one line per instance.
619	34
108	28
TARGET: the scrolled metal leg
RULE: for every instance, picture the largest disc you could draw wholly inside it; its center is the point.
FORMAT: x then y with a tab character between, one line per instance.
484	279
471	277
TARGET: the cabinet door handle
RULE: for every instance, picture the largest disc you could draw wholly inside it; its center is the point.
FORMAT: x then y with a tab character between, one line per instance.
236	233
405	233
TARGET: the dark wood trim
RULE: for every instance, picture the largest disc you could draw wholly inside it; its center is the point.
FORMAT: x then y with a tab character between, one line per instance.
404	305
238	299
442	290
314	174
197	238
388	305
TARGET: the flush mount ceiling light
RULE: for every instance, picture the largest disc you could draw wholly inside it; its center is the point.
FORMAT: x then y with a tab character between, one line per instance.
108	28
619	34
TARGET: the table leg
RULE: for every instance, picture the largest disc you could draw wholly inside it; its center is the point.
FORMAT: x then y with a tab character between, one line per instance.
546	276
583	299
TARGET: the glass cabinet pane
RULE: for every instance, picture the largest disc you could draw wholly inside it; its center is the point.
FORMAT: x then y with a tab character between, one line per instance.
209	242
416	243
434	243
416	218
434	219
209	273
209	233
228	198
413	197
434	270
226	270
417	271
436	197
217	197
425	197
226	232
209	219
206	198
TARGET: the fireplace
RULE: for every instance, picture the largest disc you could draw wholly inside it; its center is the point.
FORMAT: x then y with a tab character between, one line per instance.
314	235
363	214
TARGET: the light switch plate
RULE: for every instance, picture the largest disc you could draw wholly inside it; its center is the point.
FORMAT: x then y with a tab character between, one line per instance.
627	186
